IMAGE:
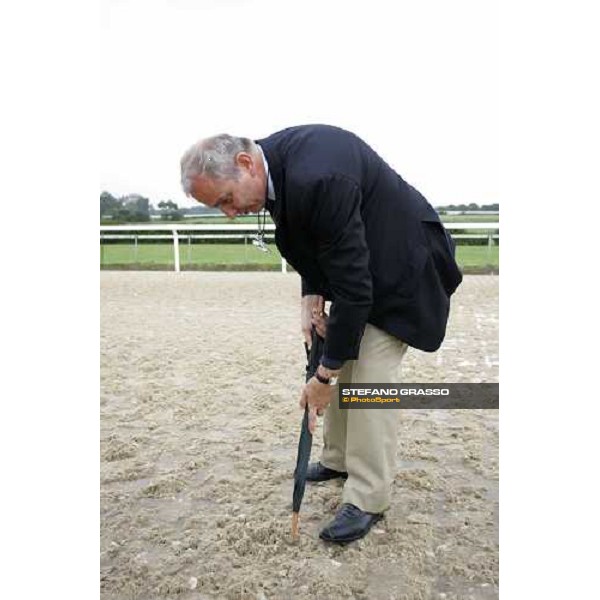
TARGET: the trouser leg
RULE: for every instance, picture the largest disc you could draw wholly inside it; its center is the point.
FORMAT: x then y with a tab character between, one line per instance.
370	452
335	420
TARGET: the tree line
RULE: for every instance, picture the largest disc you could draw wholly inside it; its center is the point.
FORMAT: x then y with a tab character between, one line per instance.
134	208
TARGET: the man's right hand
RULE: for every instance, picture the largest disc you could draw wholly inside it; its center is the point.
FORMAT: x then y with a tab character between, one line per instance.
310	303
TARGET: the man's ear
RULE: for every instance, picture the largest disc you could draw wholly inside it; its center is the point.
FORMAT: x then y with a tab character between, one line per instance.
245	161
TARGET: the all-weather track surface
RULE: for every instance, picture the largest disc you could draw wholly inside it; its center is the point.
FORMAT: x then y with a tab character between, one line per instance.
200	380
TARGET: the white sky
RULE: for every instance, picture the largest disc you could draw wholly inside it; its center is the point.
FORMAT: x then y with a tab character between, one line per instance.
417	80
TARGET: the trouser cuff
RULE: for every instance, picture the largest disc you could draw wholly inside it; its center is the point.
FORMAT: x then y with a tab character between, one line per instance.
372	503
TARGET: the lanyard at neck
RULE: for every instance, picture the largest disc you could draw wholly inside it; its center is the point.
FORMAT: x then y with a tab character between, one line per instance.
259	238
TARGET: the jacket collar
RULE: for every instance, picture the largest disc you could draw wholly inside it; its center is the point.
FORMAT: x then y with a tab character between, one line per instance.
277	173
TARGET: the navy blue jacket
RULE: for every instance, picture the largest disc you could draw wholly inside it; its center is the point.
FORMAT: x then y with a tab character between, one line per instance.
361	236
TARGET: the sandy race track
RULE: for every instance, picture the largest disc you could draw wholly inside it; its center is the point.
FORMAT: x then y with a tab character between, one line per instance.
200	379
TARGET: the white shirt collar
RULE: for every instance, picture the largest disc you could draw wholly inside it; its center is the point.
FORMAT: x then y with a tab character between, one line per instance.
270	186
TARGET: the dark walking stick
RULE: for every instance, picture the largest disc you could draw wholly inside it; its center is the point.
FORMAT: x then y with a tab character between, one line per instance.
305	443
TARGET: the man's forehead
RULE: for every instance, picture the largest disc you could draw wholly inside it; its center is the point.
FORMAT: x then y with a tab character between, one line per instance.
205	188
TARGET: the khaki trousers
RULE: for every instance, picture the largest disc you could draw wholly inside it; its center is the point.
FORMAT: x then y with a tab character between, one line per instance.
363	441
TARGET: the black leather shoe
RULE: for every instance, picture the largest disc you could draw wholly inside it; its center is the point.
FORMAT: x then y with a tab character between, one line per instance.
317	472
350	523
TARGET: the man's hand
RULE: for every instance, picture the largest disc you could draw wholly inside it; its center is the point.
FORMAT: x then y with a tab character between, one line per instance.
318	396
311	305
319	318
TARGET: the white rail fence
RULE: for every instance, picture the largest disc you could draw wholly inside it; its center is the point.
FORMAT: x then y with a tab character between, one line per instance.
237	231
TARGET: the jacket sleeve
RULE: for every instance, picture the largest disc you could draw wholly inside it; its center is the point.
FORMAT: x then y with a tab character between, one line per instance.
336	225
307	288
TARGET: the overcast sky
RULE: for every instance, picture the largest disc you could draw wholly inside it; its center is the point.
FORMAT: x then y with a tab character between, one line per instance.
417	80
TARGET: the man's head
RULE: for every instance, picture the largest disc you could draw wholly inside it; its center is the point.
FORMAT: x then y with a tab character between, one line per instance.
225	172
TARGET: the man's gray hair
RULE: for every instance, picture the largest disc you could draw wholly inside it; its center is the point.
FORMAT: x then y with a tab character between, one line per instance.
213	157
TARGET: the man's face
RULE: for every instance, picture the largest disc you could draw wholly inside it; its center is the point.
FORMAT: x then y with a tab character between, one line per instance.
233	196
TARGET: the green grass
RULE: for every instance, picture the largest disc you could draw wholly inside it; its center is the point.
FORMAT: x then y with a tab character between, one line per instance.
213	256
196	254
477	257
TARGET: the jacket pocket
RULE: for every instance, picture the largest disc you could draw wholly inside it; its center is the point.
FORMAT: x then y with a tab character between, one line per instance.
411	277
442	251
